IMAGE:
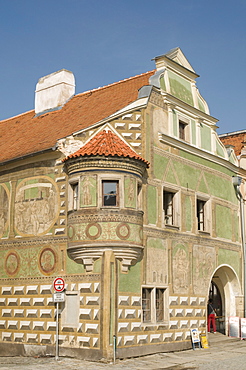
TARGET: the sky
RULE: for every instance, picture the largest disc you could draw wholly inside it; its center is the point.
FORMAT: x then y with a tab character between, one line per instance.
104	41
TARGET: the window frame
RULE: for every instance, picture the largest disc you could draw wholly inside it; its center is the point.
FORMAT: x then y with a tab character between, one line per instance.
175	206
204	212
117	196
73	195
152	310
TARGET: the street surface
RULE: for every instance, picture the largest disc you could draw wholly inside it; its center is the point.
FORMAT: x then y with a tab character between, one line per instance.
223	354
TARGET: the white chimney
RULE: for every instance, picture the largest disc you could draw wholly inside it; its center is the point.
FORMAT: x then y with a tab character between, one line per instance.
54	90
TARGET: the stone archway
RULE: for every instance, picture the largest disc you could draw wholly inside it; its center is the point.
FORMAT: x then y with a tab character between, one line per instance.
225	279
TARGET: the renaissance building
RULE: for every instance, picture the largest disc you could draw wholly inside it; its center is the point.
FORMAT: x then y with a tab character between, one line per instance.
129	195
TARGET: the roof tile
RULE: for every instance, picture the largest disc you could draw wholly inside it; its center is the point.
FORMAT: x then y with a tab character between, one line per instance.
27	134
106	143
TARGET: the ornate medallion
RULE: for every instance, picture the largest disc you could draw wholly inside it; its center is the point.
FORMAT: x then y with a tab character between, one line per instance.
93	231
12	263
123	231
47	261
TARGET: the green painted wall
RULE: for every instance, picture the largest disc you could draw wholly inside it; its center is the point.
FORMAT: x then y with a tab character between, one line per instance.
225	256
151	204
193	132
205	137
180	88
175	124
130	282
188	213
160	164
201	104
130	192
223	219
162	83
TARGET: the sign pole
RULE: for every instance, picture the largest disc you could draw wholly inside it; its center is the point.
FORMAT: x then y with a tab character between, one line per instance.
57	331
59	296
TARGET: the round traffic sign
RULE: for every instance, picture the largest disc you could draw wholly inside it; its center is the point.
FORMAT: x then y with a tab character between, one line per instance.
59	284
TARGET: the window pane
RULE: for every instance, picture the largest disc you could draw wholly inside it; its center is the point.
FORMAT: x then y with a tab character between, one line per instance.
159	303
168	207
110	189
200	214
146	304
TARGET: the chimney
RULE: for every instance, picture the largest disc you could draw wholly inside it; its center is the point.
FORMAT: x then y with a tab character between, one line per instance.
54	90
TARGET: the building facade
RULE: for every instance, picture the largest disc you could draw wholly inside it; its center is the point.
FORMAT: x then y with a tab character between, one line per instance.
126	192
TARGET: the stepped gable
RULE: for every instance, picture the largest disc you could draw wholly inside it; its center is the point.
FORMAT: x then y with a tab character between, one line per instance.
106	143
27	134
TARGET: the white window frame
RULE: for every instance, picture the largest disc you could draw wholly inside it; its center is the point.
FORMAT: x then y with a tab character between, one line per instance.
73	198
207	214
153	306
186	122
111	177
175	214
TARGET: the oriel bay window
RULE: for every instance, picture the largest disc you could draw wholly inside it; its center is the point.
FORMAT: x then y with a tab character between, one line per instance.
110	193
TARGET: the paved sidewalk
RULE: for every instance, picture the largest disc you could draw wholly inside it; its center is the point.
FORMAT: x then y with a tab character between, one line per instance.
223	353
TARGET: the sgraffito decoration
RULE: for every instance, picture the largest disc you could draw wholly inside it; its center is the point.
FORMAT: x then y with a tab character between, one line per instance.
47	261
12	263
4	208
36	206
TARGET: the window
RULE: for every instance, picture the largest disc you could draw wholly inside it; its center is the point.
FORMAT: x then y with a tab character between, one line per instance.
203	213
168	203
200	210
170	207
182	127
74	196
153	305
110	193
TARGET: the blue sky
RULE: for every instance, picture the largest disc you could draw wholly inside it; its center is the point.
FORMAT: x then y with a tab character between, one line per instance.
104	41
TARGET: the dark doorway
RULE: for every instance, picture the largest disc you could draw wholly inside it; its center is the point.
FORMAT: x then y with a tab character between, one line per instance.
215	295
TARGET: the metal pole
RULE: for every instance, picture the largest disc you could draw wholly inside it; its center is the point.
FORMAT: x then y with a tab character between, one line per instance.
114	341
57	331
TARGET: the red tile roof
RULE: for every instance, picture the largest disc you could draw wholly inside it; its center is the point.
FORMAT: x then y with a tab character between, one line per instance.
26	134
106	143
236	139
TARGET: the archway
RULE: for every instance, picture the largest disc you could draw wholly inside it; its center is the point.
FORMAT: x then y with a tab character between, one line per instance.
226	293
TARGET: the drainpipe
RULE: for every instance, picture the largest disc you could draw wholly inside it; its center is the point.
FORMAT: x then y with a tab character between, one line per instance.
237	180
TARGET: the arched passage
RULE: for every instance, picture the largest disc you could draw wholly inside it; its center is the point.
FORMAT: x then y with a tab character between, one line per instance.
225	291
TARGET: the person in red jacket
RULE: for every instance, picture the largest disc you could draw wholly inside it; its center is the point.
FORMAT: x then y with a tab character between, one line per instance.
211	316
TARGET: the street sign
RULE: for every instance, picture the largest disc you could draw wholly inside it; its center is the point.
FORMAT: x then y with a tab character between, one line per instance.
59	284
59	297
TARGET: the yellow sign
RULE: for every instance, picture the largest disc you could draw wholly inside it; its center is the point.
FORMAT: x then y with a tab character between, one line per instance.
204	341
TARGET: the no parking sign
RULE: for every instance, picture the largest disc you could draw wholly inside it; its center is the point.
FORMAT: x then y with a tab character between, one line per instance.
59	284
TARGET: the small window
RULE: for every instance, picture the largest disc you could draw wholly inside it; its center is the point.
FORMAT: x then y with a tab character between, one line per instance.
171	207
168	207
75	195
110	194
154	308
182	127
146	304
200	210
159	303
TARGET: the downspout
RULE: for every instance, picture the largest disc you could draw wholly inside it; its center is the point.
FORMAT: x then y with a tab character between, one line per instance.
237	180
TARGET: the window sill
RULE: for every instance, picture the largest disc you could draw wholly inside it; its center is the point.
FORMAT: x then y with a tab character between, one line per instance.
151	325
174	227
206	233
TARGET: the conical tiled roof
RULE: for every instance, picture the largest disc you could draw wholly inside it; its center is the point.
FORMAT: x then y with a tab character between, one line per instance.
106	143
